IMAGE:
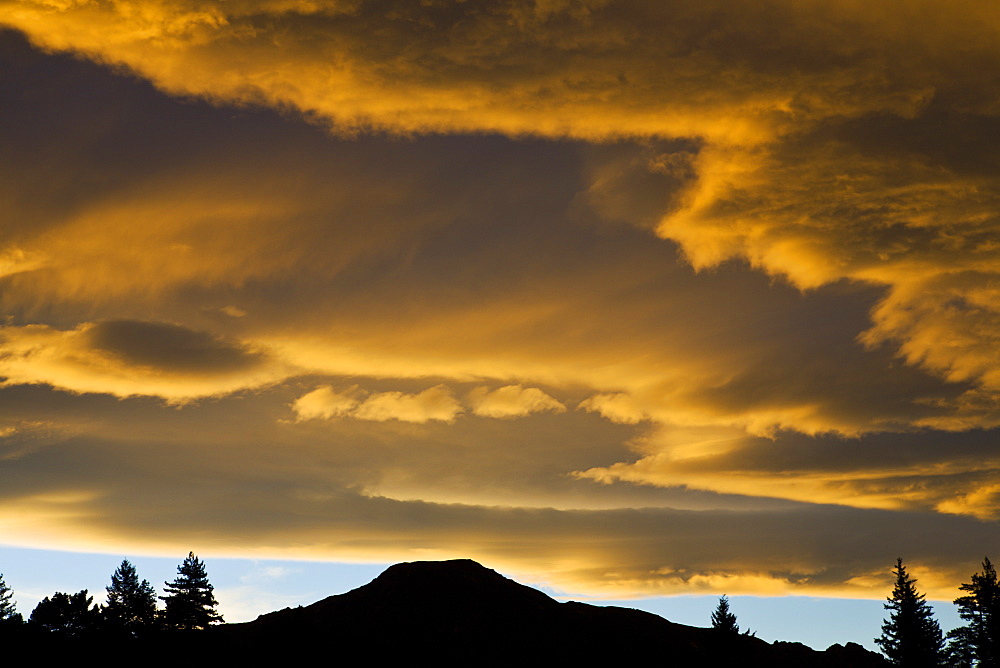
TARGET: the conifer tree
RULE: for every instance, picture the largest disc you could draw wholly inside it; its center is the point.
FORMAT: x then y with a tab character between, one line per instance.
8	610
723	619
960	652
190	603
911	637
981	609
131	603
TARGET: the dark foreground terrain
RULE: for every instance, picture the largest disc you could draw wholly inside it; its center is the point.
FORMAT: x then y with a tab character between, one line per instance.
443	613
460	613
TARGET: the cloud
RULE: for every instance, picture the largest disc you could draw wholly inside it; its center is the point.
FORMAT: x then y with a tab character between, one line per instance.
233	311
982	501
821	211
321	62
512	401
618	407
136	472
434	403
327	243
771	297
15	260
292	504
129	358
324	403
830	169
166	347
891	471
593	69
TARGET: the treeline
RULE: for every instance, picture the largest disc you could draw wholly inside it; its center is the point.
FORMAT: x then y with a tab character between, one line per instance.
131	608
912	638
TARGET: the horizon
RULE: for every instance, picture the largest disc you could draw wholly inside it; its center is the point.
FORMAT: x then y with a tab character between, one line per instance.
247	588
633	299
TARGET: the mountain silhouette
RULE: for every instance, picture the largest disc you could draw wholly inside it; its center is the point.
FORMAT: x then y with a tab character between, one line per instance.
461	613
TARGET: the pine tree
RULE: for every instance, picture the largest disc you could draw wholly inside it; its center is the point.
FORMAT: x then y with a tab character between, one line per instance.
190	603
960	652
723	619
981	609
911	637
131	603
8	610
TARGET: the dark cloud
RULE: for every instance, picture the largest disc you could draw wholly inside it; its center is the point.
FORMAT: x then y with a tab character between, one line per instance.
167	347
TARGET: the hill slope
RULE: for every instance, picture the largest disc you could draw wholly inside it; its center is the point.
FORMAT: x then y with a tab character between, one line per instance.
458	612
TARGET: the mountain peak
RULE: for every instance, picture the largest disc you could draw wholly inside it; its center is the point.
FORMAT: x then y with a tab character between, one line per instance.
439	569
462	613
457	588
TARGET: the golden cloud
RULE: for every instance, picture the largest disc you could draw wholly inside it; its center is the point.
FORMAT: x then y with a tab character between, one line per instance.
281	505
434	403
129	358
917	227
825	471
512	401
325	403
592	69
844	148
618	407
785	177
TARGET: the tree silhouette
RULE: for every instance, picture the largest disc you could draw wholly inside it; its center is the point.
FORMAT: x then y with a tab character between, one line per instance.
190	603
960	653
910	637
10	618
981	609
131	603
723	619
65	614
7	608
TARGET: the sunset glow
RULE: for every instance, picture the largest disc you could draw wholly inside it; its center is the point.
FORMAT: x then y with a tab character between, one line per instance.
631	298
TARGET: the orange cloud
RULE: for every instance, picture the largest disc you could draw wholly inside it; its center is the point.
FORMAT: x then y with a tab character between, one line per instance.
836	212
434	403
512	401
619	407
782	180
593	69
325	403
128	358
385	288
936	479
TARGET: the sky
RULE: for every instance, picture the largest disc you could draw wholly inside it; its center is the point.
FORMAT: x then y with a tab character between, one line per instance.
629	299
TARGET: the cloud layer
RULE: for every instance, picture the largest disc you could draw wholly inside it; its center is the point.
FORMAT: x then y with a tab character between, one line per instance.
586	289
